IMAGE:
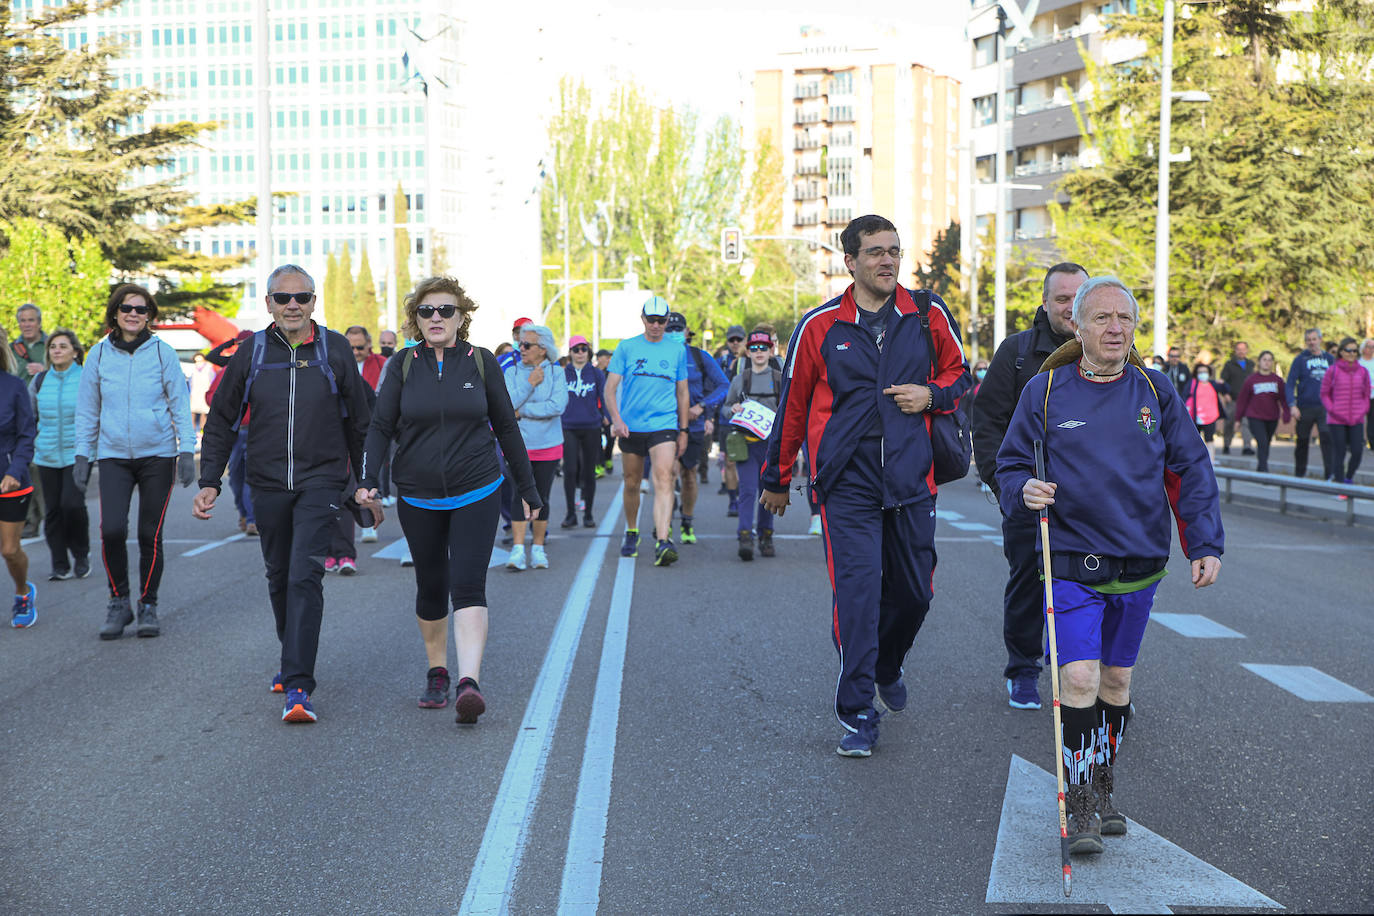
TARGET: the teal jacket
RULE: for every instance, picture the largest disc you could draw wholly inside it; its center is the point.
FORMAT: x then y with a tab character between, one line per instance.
54	404
133	405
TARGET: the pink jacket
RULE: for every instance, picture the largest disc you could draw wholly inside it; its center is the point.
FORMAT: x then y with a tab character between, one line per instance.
1345	393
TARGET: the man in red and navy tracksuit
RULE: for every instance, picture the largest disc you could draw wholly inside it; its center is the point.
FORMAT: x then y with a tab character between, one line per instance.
858	389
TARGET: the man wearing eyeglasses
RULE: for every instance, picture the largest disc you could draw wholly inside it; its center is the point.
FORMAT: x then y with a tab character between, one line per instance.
647	398
310	410
859	386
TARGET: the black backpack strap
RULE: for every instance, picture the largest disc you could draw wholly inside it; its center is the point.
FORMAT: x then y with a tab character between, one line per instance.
254	367
1023	347
38	381
922	298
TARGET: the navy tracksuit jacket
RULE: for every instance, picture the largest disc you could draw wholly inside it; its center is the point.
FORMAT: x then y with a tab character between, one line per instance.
876	494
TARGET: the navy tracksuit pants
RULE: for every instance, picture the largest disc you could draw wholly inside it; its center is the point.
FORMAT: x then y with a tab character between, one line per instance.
1023	599
881	562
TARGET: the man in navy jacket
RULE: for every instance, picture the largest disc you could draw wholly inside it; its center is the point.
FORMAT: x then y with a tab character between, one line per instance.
1305	397
859	387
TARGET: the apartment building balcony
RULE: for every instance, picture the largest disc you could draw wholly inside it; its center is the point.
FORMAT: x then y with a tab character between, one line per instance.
805	143
841	114
809	169
1048	125
1047	167
807	195
806	118
808	91
1026	198
1054	56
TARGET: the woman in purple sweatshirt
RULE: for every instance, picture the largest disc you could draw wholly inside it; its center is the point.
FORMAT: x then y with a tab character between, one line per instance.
1345	395
1262	399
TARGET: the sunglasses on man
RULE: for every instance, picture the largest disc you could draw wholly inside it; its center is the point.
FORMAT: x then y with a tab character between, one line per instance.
445	311
656	319
283	298
136	309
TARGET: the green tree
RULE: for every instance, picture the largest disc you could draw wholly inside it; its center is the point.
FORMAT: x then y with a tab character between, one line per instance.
68	279
329	290
365	298
338	302
400	251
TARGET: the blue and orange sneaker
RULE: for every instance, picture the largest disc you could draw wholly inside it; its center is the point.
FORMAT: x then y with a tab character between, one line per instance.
25	608
276	684
298	708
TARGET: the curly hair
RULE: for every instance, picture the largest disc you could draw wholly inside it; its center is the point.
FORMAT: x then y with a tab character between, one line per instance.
438	284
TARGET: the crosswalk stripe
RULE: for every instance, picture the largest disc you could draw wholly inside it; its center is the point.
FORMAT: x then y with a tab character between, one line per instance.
948	515
972	526
1195	626
1307	683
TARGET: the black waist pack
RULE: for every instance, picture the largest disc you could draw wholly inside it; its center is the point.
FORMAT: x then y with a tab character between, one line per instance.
1093	569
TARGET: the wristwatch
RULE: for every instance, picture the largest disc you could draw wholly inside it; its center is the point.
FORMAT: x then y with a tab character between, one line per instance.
683	429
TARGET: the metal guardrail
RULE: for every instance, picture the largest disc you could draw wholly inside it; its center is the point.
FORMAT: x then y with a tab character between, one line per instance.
1285	483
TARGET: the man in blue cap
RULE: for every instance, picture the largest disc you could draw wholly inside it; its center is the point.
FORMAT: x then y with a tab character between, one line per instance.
647	398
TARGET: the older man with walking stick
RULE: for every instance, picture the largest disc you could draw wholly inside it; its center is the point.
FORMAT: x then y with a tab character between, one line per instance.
1120	450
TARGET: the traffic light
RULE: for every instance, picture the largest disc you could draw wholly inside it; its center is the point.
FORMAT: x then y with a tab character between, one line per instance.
732	245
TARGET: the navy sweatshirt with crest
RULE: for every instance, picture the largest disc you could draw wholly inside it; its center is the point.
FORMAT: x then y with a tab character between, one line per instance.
1122	454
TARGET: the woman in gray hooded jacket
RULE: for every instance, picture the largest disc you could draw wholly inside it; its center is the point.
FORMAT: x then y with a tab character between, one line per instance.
133	415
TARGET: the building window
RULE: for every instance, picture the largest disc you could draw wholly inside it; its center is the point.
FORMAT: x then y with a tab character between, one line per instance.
984	110
985	50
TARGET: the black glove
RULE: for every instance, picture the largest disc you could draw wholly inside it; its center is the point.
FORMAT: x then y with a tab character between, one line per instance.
186	468
81	473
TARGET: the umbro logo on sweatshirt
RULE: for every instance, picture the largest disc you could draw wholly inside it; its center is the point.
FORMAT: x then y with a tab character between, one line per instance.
1072	424
842	346
467	384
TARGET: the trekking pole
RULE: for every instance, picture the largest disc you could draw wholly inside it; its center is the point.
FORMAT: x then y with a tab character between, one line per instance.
1054	673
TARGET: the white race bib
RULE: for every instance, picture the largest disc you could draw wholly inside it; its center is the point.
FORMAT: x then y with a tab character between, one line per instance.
754	419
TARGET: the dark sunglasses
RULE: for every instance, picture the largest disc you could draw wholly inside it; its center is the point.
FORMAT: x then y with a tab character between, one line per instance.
136	309
1349	350
580	348
759	348
734	339
526	345
656	319
283	298
360	349
445	311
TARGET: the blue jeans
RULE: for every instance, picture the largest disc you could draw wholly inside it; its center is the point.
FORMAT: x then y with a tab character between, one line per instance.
238	483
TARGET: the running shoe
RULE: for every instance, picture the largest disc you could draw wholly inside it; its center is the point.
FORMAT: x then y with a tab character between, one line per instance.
860	742
516	560
58	575
893	695
733	510
688	535
82	568
631	546
147	619
388	502
331	565
298	708
569	520
587	520
469	703
815	526
25	608
664	553
118	615
1023	692
348	566
369	536
251	530
436	689
538	559
276	684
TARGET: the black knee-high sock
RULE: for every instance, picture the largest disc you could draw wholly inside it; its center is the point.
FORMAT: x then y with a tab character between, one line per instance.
1111	728
1078	735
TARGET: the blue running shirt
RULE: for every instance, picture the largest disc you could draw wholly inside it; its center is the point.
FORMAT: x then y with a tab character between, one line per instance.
649	373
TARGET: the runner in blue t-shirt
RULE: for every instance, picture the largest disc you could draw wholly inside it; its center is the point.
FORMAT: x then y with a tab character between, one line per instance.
646	396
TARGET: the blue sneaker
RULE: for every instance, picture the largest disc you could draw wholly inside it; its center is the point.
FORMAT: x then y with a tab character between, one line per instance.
1023	692
631	546
859	743
25	608
298	708
276	684
893	695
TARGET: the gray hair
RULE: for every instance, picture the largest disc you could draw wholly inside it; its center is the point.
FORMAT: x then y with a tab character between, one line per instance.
285	269
1106	281
1317	331
545	340
28	307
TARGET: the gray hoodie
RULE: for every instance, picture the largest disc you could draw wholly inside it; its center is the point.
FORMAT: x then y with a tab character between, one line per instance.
133	405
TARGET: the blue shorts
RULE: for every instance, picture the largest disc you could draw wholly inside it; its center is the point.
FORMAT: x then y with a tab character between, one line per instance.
1091	626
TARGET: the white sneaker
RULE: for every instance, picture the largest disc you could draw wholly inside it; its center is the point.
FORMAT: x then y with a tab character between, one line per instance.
369	536
516	561
538	559
815	526
388	502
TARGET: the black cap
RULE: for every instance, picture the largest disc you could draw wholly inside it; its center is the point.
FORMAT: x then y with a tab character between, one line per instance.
604	352
735	331
676	322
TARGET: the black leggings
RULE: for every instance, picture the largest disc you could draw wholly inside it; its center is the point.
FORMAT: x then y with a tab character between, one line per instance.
544	472
1263	431
119	477
66	524
451	549
581	452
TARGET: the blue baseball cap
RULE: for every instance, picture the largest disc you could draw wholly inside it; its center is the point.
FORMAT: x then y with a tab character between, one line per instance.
656	307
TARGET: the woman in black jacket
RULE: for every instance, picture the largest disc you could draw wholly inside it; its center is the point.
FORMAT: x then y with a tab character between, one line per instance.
440	406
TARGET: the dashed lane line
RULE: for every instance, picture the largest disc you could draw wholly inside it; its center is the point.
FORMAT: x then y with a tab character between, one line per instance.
197	551
1195	626
1307	683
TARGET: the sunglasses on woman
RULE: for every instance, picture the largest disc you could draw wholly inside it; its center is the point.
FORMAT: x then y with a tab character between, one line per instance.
136	309
526	345
581	349
283	298
445	311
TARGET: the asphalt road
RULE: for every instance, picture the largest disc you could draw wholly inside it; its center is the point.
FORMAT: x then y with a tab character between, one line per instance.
683	715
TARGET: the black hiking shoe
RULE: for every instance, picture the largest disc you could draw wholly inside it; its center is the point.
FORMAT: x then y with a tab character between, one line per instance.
766	544
147	619
118	615
1113	821
1085	831
746	546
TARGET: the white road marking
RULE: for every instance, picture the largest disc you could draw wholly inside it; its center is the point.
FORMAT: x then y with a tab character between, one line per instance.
1140	872
503	843
972	526
1307	683
1195	626
947	515
195	552
581	890
393	551
994	538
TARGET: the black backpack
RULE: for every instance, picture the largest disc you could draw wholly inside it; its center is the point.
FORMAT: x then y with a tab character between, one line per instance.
951	441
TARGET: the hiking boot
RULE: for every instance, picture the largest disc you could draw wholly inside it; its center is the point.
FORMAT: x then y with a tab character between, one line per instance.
587	520
118	615
1022	692
665	554
1113	821
746	545
630	548
766	544
469	703
893	695
298	708
436	689
25	612
859	743
569	520
1085	830
688	535
147	619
